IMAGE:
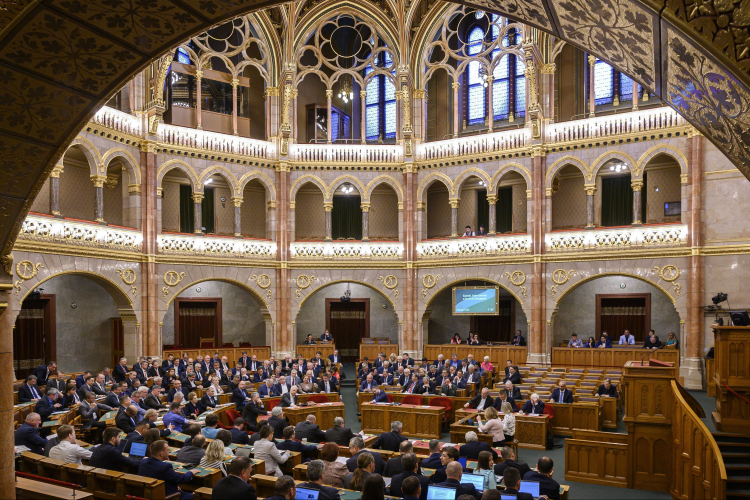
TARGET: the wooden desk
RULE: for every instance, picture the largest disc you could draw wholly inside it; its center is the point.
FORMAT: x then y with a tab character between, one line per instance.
29	488
333	397
372	350
575	417
497	353
324	413
418	421
608	406
531	431
458	401
613	357
206	478
308	351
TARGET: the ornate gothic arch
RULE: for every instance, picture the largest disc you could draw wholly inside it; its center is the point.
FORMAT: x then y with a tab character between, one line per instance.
562	162
90	151
264	180
597	164
343	179
427	182
665	149
506	169
222	171
180	165
312	179
384	179
466	174
129	162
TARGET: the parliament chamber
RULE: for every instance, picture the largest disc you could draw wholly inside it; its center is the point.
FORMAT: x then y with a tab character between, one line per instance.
311	249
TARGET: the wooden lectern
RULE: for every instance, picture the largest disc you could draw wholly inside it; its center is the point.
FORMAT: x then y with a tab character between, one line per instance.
649	405
731	377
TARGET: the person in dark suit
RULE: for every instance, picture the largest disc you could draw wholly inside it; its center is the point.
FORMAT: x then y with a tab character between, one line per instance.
278	422
513	376
472	375
512	481
315	481
240	397
533	406
562	394
126	420
328	384
652	341
49	404
390	440
326	337
411	489
193	453
177	388
433	461
57	382
29	391
502	398
543	474
338	433
141	371
28	434
481	401
357	446
210	399
384	378
152	400
290	443
394	465
290	398
379	396
81	379
607	390
239	434
309	340
513	391
509	461
113	396
235	485
367	384
409	466
137	435
120	372
244	359
453	472
308	429
414	386
335	358
473	447
108	455
252	409
519	339
267	389
87	387
70	396
156	467
43	373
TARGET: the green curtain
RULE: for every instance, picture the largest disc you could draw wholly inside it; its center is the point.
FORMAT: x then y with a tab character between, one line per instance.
644	199
187	209
617	201
207	210
504	210
483	211
346	218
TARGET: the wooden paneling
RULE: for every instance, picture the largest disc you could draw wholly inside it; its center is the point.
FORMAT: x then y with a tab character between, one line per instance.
324	413
418	421
614	357
732	377
232	353
308	351
595	462
710	372
372	350
605	437
497	354
577	416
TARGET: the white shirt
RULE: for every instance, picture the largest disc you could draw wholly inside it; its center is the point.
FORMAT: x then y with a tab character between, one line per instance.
480	406
69	452
283	388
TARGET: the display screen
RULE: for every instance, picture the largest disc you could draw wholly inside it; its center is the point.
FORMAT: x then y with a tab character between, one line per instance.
475	300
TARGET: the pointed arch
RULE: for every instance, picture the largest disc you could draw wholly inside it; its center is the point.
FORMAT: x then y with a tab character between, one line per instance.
434	177
180	165
384	179
436	291
222	171
131	165
592	277
466	174
506	169
329	283
254	293
333	186
313	179
613	155
560	163
666	149
120	296
89	151
263	178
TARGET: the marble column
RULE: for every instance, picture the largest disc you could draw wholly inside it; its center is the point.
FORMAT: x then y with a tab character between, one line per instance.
198	100
54	191
454	218
151	336
635	95
492	200
637	187
237	202
491	106
198	215
328	206
329	97
99	207
235	83
409	334
7	377
548	88
365	222
690	367
590	191
456	117
363	115
592	94
537	348
295	93
283	339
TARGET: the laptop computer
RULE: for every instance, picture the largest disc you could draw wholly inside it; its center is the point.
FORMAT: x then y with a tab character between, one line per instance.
138	450
475	479
531	487
243	452
440	493
508	497
307	494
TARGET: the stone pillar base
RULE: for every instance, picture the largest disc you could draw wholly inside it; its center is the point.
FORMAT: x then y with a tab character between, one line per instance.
589	228
636	224
536	359
279	355
692	373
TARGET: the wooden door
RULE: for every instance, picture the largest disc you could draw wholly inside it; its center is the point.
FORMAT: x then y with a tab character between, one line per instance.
34	335
349	323
118	340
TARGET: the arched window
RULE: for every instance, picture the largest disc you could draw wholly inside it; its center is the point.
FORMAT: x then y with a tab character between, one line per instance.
608	83
475	95
509	86
380	103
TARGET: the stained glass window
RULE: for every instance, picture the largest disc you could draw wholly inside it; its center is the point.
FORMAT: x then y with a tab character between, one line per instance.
475	95
380	103
509	87
603	83
520	84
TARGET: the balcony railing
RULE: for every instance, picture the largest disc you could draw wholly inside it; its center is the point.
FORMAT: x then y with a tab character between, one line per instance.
346	250
624	238
346	153
484	246
118	120
79	233
475	144
208	246
646	120
211	141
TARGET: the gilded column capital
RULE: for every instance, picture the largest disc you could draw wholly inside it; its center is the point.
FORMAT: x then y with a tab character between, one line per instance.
548	192
235	82
592	60
400	206
420	94
528	194
491	199
282	166
295	93
538	151
684	178
329	94
362	94
271	205
271	92
237	201
199	74
57	170
365	207
454	203
590	190
328	206
637	185
456	86
148	146
292	204
159	192
134	189
197	197
399	95
548	69
98	180
420	206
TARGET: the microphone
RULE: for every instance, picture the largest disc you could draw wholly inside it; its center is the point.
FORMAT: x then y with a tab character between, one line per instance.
643	357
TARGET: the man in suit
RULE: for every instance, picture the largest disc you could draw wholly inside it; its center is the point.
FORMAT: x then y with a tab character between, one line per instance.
193	453
210	399
472	375
239	434
473	447
379	396
291	443
70	396
290	398
48	404
282	386
513	376
252	409
453	472
278	422
357	446
512	482
120	372
98	386
89	412
156	467
519	339
293	378
414	386
168	363
244	359
253	364
126	420
81	379
308	429
513	391
44	372
604	342
411	489
141	371
57	382
626	338
509	461
384	378
235	484
309	340
108	455
481	401
447	388
152	401
408	462
113	397
562	394
315	482
240	397
534	406
543	474
28	434
29	391
86	387
502	398
394	466
137	435
177	388
607	390
367	384
433	461
390	440
338	433
335	358
328	384
183	364
267	389
326	337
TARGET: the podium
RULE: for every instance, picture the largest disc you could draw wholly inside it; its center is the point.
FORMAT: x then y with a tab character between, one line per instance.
731	378
649	406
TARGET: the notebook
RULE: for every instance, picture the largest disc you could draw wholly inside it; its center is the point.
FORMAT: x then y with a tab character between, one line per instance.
307	494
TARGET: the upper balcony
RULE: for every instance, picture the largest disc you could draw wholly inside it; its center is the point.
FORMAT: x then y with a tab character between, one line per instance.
617	238
474	144
188	245
46	229
346	153
633	122
346	250
189	138
475	247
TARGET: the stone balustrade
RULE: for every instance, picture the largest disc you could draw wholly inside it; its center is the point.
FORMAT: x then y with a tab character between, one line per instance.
215	247
646	120
346	153
118	120
212	141
621	238
346	250
474	144
46	229
475	247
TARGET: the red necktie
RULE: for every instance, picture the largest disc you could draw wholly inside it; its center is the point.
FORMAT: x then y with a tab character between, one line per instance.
411	389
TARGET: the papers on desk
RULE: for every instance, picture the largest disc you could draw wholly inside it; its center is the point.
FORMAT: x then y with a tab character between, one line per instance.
387	481
447	444
63	412
341	460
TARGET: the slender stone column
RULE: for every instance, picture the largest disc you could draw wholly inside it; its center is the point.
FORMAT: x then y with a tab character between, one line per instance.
237	202
283	340
365	222
151	336
492	200
328	206
198	99
690	367
455	86
635	95
235	83
54	191
329	96
592	94
548	88
454	218
198	215
363	114
295	92
490	105
590	191
7	377
410	336
637	187
99	207
538	351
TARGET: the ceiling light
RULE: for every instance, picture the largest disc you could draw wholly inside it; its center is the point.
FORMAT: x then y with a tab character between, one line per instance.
481	183
208	181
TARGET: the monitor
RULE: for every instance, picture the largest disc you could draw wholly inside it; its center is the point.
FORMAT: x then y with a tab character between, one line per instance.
462	461
138	449
531	487
440	493
476	479
507	497
475	300
307	494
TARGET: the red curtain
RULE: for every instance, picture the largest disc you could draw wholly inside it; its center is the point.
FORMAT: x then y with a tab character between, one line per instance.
197	320
28	338
348	322
620	314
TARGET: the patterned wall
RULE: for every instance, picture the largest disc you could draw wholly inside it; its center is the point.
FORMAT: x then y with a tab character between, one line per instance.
223	212
467	211
170	207
310	222
668	182
438	213
519	207
384	214
253	211
569	203
77	193
41	203
113	201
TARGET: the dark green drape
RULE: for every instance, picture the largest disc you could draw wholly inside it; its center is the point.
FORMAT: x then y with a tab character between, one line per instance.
346	218
483	211
644	200
207	210
617	201
187	209
504	210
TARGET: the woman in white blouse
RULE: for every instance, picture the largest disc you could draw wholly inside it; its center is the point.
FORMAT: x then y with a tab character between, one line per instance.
265	449
494	426
509	421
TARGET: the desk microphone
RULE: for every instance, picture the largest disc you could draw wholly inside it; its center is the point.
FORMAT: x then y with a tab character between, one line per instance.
642	358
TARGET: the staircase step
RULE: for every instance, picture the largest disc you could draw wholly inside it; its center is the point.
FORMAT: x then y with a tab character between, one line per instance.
728	437
738	489
738	468
735	458
744	479
734	448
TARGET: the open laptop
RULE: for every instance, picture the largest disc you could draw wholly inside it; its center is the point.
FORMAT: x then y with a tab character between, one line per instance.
475	479
307	494
138	450
531	487
508	497
440	493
